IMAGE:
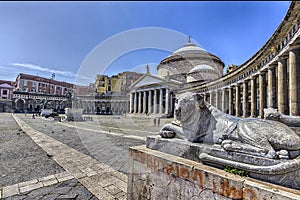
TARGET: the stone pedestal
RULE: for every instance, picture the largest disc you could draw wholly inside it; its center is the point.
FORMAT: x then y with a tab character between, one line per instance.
191	151
74	114
157	175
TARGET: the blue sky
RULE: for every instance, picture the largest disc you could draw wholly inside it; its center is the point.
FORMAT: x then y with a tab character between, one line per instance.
60	37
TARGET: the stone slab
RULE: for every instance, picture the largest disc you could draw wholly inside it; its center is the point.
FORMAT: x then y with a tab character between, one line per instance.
157	175
31	187
191	151
10	190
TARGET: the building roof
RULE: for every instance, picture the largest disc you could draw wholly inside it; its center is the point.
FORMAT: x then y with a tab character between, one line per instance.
46	80
11	83
5	85
190	50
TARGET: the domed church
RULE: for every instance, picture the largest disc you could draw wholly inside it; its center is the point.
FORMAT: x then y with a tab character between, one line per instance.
154	94
191	63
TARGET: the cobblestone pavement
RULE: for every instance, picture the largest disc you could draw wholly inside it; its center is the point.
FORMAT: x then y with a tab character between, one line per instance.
100	179
28	172
73	146
96	138
21	158
70	189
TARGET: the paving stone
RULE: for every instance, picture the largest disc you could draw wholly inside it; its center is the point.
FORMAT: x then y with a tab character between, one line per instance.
10	190
82	192
121	196
34	198
50	197
67	196
63	177
63	190
112	189
16	197
71	183
100	193
49	182
47	178
31	187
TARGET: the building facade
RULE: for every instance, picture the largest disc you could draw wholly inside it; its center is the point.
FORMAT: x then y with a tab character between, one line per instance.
33	93
118	84
6	93
269	79
110	96
155	94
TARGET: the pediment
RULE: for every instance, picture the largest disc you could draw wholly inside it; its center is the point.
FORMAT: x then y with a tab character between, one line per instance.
148	80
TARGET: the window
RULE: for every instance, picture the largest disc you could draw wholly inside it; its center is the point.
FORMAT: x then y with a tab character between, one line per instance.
4	92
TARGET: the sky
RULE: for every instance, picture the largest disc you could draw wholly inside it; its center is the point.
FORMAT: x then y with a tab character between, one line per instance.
78	40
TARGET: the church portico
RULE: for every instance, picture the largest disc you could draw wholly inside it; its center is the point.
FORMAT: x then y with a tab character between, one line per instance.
152	101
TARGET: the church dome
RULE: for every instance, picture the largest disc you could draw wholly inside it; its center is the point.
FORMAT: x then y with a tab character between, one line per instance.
202	73
186	58
200	68
188	48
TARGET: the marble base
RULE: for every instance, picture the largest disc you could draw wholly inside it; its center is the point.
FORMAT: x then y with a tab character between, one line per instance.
191	151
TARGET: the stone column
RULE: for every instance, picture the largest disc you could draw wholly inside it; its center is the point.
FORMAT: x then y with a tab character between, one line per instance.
211	97
167	101
262	94
245	99
144	102
217	99
140	102
237	100
150	102
293	81
282	86
161	101
155	101
131	103
224	100
253	96
135	103
171	103
230	97
271	88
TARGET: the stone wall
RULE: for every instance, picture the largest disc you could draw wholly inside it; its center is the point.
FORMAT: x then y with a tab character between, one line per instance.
156	175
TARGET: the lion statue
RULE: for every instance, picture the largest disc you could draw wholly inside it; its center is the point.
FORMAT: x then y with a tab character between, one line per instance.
198	121
273	114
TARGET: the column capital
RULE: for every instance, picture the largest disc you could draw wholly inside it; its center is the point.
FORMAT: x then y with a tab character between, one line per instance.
272	66
293	47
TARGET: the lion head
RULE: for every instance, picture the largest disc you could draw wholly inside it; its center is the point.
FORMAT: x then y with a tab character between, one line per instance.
186	104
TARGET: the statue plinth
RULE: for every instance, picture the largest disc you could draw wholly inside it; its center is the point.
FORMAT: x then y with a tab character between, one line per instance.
261	168
157	175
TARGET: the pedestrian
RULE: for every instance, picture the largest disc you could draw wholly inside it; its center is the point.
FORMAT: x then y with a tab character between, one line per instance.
154	121
33	116
158	121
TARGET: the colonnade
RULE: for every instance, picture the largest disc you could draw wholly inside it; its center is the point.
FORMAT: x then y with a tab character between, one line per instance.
154	100
275	86
102	106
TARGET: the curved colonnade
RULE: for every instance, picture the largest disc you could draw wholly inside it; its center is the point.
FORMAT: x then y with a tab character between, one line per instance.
269	79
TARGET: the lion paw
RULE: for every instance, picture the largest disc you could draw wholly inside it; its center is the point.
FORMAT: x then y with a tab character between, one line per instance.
167	134
283	154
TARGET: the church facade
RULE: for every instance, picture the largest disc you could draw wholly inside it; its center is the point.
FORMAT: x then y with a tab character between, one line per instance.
269	79
155	94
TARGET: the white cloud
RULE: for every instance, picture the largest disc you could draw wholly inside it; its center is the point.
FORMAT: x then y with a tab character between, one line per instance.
44	69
